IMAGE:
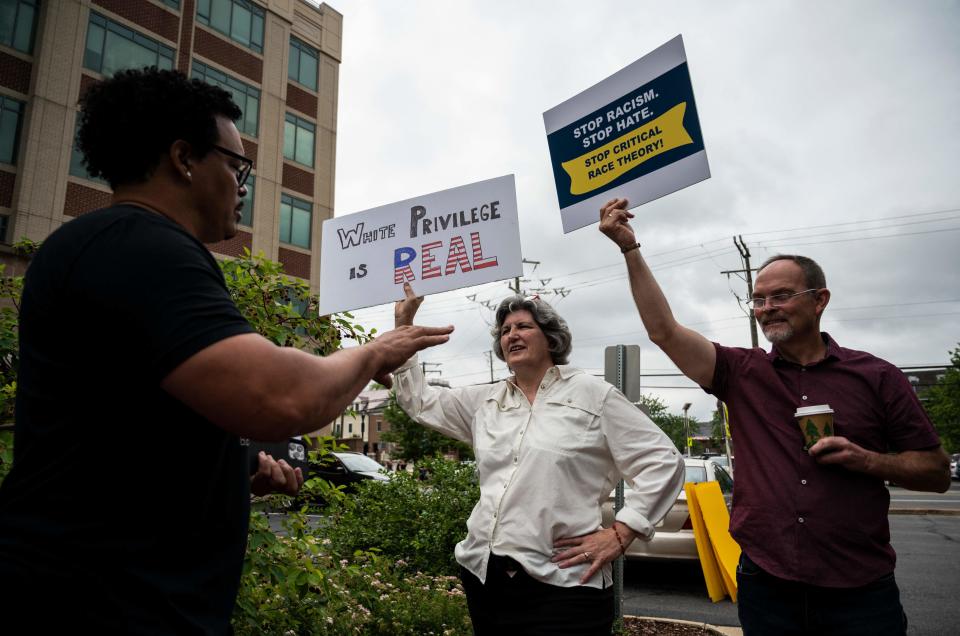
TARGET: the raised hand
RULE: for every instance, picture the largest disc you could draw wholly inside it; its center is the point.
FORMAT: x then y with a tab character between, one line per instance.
615	223
405	310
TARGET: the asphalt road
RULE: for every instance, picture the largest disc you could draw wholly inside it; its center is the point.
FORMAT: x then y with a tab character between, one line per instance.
928	549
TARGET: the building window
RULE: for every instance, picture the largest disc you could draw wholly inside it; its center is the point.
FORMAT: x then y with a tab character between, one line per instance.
173	4
11	115
18	21
298	140
245	96
4	228
77	169
296	218
350	428
246	214
302	67
379	426
240	20
112	47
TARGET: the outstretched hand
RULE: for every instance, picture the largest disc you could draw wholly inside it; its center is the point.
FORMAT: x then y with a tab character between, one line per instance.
597	549
397	346
615	223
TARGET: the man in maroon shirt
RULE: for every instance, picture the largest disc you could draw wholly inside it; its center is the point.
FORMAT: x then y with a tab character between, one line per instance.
812	524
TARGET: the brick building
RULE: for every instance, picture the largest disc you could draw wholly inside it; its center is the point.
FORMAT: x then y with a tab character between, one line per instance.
278	58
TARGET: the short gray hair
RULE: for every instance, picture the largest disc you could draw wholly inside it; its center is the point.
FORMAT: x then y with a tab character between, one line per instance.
559	338
813	275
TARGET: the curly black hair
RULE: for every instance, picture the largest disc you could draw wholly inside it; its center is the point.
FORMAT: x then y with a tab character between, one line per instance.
128	121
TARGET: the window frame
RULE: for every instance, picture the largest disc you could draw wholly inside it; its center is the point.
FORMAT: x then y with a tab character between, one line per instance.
6	105
121	30
229	83
299	124
255	10
304	206
303	48
31	38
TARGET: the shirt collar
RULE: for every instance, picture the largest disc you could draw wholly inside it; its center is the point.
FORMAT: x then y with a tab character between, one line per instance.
833	351
554	373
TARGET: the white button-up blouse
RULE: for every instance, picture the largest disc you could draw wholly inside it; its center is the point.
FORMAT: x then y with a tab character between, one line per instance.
545	468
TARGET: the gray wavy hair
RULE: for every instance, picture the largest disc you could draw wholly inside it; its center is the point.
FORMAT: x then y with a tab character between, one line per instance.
559	338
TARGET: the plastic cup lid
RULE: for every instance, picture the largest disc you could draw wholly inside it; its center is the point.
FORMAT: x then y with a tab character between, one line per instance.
813	410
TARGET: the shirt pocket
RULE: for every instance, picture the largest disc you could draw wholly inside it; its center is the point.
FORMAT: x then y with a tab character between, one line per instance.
565	426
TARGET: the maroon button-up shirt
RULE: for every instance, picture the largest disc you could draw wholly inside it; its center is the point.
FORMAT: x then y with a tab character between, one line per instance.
799	520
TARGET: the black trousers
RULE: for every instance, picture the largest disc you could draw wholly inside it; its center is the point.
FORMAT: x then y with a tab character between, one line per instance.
520	605
770	605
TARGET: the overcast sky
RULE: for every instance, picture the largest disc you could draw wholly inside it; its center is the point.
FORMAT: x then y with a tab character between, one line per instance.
831	128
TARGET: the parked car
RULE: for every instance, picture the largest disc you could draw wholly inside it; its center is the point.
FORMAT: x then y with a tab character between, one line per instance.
674	534
955	466
346	469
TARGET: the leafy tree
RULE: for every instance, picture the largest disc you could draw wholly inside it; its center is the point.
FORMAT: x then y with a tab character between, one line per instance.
11	287
670	423
943	404
417	522
414	441
282	309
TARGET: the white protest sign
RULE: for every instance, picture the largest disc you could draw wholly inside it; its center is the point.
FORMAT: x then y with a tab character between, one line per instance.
437	242
635	135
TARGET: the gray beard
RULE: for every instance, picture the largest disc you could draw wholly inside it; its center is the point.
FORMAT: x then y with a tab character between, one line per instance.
778	333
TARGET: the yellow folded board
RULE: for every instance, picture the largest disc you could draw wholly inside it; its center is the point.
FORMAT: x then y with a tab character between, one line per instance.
717	519
708	562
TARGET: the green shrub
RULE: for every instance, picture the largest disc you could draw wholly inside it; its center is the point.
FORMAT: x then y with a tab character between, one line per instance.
293	584
418	522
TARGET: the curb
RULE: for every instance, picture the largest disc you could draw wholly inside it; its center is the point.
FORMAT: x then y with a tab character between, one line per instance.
924	511
707	628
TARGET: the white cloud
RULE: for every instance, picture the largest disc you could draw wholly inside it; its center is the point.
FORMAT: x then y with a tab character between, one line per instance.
814	114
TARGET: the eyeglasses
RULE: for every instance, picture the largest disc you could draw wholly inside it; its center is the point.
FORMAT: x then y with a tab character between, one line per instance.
246	164
777	300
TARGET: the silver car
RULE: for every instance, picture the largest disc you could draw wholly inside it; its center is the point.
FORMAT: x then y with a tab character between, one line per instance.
674	535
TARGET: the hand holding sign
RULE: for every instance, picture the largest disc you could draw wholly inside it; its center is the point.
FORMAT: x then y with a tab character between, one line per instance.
615	223
405	310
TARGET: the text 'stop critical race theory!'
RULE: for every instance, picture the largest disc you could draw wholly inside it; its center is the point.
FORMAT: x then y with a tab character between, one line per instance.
635	134
436	242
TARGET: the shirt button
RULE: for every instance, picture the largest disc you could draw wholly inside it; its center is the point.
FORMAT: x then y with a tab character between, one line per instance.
804	482
800	519
514	460
495	516
802	369
569	400
804	397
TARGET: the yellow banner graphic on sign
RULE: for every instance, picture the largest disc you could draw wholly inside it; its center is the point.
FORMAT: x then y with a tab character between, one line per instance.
602	165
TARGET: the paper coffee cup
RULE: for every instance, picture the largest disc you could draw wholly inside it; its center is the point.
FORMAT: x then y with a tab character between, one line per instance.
815	422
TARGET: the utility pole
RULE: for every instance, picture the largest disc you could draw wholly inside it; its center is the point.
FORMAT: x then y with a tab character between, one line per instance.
516	281
745	258
686	427
424	365
490	356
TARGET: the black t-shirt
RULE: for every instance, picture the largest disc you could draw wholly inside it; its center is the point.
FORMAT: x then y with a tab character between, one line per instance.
123	503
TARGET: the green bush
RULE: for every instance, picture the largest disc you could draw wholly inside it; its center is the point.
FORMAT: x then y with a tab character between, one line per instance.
418	522
293	584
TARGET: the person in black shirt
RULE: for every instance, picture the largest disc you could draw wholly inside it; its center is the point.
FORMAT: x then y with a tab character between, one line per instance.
127	506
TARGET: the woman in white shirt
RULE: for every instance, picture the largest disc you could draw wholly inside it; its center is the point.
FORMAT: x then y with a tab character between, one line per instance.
551	442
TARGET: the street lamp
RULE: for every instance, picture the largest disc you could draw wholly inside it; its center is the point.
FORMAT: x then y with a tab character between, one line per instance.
686	426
